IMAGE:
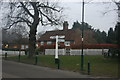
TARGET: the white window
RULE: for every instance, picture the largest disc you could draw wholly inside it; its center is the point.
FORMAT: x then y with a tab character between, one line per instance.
26	46
42	43
67	43
49	42
22	47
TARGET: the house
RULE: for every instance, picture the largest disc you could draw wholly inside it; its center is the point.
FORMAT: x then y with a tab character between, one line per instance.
72	38
11	46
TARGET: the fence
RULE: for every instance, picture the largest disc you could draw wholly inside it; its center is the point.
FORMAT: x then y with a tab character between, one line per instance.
76	51
63	52
52	51
13	52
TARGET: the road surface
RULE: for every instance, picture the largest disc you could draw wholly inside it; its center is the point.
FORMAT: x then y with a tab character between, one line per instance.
21	70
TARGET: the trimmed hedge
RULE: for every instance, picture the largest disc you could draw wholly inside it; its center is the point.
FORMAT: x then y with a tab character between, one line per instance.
11	49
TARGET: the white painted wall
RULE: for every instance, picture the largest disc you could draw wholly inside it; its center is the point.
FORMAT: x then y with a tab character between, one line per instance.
52	51
13	52
76	51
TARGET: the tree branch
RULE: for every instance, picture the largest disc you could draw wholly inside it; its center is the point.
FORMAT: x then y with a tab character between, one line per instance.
13	24
108	11
36	12
24	20
26	9
45	6
41	19
48	18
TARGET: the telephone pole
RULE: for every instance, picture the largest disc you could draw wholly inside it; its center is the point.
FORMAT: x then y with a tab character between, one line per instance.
82	55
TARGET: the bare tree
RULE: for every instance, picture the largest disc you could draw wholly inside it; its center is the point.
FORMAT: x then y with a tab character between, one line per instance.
19	30
32	14
15	35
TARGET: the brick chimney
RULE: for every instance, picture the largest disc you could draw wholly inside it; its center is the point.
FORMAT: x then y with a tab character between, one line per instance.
65	25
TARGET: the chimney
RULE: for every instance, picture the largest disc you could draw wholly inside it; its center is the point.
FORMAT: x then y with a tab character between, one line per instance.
65	25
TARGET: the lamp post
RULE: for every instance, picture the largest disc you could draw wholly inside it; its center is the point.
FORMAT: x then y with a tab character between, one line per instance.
82	55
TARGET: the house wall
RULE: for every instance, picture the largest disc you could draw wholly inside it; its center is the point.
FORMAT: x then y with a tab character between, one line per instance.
22	46
61	44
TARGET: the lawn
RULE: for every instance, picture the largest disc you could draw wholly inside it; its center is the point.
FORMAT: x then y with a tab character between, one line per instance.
100	66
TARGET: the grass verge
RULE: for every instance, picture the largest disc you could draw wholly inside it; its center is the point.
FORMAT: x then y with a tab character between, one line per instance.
100	66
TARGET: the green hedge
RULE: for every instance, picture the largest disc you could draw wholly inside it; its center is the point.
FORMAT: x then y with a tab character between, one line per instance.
11	49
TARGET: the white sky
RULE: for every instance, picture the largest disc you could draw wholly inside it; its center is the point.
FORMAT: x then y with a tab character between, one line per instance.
93	14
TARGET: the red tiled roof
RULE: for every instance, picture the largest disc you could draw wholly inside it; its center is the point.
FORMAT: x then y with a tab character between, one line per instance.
70	35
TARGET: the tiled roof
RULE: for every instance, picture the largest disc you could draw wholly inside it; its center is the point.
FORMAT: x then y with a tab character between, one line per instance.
70	35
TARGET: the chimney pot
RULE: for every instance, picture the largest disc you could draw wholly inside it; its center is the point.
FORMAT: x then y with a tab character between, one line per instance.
65	25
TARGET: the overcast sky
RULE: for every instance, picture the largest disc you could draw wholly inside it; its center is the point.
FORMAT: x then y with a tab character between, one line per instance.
93	14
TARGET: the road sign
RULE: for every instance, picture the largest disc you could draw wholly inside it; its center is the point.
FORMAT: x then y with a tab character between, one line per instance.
58	39
53	37
61	36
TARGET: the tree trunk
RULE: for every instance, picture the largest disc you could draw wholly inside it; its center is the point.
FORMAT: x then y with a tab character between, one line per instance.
32	41
33	30
32	36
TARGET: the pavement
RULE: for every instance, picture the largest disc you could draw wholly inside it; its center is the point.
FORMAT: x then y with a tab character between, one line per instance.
20	70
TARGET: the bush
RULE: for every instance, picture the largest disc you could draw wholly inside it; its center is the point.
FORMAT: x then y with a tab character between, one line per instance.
37	51
10	49
113	52
26	51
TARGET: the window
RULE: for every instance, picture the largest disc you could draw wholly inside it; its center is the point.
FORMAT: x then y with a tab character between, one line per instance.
42	43
49	42
6	46
22	47
26	46
67	43
15	47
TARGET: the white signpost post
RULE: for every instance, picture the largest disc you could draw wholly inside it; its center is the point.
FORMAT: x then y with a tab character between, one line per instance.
56	50
58	39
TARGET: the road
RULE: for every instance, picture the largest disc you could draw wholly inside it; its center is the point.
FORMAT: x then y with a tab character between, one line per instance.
20	70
